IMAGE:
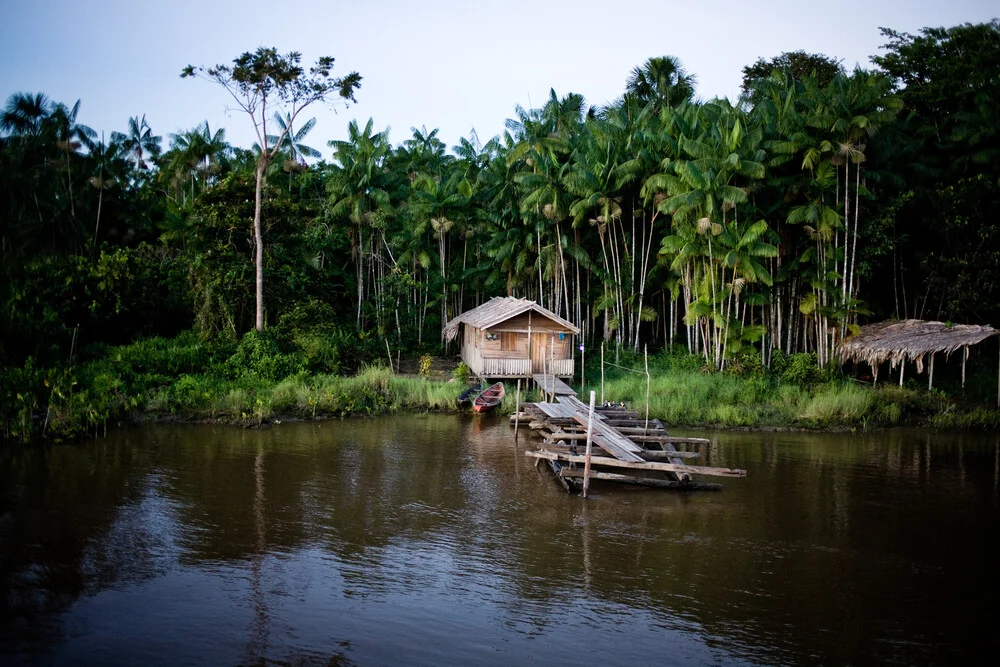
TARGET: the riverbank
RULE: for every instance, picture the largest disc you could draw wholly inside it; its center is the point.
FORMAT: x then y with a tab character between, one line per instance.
254	383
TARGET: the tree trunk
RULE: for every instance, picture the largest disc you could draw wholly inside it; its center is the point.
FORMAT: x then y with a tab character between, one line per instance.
259	243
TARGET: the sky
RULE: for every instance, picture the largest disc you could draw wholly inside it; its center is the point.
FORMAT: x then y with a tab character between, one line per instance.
448	64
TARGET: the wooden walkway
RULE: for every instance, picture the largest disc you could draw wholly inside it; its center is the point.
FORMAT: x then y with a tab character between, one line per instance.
553	385
630	449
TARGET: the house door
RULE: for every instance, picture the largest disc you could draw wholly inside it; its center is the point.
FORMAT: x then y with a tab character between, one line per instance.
541	350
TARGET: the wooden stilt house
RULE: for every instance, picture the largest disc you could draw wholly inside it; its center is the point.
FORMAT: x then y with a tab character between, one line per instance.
508	337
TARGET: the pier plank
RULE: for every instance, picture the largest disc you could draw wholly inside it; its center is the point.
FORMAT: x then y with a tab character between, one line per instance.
641	465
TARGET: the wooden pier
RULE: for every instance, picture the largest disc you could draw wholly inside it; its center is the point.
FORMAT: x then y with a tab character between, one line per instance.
631	450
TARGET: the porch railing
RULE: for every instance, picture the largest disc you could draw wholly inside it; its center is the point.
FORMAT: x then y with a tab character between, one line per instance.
559	366
497	366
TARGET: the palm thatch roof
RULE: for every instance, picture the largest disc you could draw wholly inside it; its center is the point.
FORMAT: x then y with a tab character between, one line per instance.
910	340
499	309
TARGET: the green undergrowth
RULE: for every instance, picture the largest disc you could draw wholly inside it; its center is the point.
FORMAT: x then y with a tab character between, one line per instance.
792	394
270	376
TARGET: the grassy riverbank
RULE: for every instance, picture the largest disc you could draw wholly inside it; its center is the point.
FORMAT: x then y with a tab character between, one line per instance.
259	380
793	393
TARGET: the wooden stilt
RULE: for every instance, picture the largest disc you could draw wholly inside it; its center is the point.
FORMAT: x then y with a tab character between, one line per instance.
517	409
902	367
646	356
965	357
590	444
930	373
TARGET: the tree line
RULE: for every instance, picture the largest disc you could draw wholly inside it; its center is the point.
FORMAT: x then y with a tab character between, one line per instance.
821	199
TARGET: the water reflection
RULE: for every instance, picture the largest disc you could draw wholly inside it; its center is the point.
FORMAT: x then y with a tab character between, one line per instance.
432	539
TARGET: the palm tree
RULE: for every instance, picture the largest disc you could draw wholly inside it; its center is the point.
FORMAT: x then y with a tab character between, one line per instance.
661	82
106	171
292	142
24	115
356	187
700	187
70	137
139	142
442	204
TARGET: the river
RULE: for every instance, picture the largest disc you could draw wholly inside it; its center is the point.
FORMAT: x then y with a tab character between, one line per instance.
432	539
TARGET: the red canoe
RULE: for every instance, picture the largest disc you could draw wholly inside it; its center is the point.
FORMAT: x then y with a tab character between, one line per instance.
490	398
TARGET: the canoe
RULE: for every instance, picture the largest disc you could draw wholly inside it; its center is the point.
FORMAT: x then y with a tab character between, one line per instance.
490	398
470	393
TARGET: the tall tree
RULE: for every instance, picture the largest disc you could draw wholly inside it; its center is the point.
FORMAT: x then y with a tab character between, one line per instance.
265	81
798	64
661	82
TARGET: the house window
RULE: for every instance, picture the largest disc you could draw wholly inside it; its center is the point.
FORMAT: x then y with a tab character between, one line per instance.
508	341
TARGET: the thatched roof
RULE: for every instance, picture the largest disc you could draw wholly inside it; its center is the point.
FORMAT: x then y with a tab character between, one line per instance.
910	340
499	309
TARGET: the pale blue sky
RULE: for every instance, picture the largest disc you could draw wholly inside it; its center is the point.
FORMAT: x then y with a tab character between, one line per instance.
448	64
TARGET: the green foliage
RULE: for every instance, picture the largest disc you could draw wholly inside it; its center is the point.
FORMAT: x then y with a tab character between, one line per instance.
800	369
425	365
461	373
654	208
263	355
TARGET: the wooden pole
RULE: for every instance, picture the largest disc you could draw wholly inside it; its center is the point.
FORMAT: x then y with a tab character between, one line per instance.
583	370
545	377
930	373
645	351
517	408
965	357
602	375
902	367
590	444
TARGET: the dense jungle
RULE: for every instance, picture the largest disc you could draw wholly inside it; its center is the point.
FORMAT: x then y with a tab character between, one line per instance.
737	241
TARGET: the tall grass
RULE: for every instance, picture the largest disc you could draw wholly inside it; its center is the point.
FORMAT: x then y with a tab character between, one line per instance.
263	377
685	397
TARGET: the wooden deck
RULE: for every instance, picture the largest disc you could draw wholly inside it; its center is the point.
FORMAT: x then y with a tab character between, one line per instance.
629	449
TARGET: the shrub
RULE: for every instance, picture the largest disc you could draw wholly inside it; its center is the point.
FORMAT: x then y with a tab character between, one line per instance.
425	365
259	354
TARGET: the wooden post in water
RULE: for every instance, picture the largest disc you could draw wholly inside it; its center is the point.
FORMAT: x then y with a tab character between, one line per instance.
645	351
517	409
590	444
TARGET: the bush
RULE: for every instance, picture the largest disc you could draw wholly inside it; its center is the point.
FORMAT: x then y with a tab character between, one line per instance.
260	354
801	369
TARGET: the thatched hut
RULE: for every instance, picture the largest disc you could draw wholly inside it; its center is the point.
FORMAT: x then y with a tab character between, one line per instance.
507	337
914	341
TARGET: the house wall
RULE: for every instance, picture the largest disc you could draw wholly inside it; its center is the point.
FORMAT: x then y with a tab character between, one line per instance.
538	323
485	357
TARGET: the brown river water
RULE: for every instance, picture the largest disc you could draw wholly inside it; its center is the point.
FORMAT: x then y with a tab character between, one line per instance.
432	539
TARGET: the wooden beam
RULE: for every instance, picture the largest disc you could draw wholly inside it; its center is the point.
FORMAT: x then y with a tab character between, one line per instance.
637	438
645	481
644	465
567	449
